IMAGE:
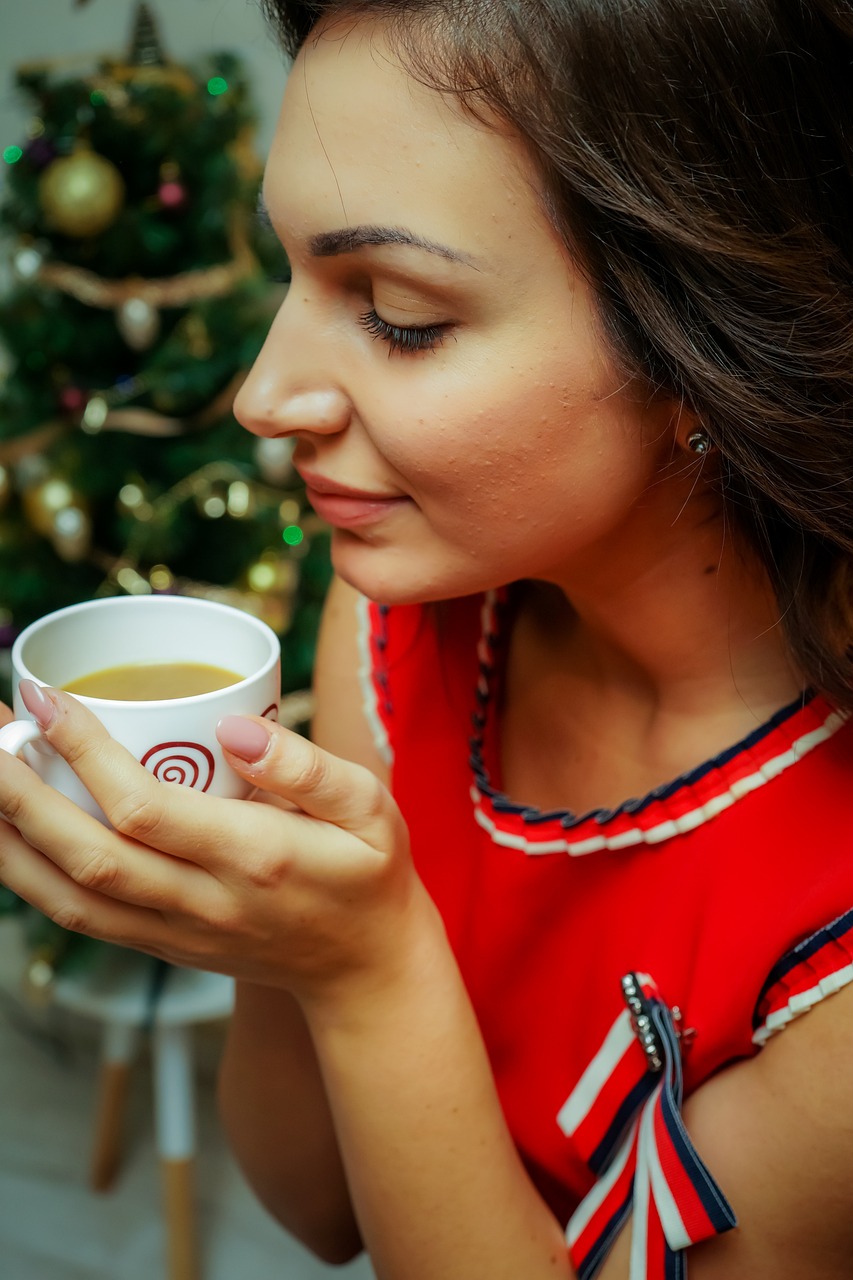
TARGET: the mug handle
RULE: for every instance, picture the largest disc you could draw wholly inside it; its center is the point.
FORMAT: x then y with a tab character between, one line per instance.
15	735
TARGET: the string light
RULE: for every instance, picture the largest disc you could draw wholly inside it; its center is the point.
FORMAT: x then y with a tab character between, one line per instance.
161	578
239	499
293	535
216	85
214	506
132	582
12	154
262	576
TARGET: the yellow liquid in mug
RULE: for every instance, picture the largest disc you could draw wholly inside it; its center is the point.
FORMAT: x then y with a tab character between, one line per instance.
152	681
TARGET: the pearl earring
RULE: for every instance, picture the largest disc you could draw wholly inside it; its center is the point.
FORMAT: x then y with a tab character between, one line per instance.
699	442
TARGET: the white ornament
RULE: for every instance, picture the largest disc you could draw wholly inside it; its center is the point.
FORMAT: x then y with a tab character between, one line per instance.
273	457
71	534
27	263
95	415
138	323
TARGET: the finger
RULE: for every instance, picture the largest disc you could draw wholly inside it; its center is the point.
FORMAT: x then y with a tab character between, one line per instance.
35	879
216	835
171	818
96	858
323	785
7	715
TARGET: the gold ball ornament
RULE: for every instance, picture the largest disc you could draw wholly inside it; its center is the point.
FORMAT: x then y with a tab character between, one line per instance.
81	194
43	502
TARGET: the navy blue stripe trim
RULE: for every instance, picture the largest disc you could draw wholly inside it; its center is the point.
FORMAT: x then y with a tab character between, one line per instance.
566	817
597	1255
618	1128
805	950
378	637
715	1204
674	1264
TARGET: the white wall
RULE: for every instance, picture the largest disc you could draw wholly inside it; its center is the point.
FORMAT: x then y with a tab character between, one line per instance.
36	29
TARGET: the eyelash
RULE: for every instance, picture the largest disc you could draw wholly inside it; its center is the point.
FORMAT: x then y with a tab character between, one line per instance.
404	339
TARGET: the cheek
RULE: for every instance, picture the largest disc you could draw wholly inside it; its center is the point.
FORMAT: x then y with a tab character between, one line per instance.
510	448
542	438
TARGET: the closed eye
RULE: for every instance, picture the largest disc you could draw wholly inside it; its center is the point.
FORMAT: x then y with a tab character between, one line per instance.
403	338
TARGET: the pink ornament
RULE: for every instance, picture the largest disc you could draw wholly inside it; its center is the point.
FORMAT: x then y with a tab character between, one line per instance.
72	399
172	195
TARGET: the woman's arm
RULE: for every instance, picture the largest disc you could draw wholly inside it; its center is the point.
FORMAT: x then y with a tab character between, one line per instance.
438	1186
272	1100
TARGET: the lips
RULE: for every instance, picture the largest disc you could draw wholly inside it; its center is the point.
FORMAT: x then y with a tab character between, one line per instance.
322	485
345	507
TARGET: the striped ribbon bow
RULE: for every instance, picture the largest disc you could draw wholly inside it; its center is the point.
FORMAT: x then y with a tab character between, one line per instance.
625	1117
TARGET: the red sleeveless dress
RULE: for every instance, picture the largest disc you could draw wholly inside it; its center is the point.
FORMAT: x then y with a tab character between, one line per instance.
616	959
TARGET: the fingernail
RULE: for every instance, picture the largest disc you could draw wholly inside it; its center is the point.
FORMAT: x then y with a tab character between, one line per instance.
243	738
39	704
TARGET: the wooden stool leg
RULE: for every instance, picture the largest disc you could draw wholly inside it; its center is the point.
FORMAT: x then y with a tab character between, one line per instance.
173	1086
181	1254
117	1055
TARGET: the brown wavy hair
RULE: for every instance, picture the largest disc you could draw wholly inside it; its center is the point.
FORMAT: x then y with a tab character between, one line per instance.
698	159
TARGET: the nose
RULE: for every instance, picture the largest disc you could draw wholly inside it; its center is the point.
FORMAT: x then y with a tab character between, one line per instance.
288	390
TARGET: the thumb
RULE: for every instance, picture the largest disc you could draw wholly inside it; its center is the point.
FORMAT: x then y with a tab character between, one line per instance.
282	762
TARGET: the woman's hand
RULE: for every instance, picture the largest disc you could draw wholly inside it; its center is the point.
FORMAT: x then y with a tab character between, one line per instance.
309	894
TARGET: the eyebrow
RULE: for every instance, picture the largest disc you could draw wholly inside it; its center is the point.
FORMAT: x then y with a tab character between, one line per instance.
328	244
348	239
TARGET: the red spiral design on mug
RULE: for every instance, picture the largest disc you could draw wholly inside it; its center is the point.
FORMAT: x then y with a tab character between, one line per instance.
187	763
271	712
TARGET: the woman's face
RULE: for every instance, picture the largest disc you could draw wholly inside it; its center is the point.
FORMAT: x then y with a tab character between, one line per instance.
437	350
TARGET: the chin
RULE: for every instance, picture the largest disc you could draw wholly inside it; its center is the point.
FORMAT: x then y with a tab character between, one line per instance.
397	576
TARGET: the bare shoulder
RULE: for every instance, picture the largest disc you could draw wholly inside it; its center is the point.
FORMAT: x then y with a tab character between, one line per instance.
339	724
776	1132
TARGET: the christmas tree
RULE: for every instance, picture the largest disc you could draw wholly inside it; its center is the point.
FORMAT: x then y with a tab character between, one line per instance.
140	294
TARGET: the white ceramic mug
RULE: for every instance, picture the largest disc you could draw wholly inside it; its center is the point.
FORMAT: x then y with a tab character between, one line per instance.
174	738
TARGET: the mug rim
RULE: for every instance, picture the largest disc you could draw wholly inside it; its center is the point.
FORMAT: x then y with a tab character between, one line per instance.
20	669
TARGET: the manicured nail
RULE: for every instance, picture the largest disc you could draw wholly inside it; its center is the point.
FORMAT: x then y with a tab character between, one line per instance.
243	738
38	703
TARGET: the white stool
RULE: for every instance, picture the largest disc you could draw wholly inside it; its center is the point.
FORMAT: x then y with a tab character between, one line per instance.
117	990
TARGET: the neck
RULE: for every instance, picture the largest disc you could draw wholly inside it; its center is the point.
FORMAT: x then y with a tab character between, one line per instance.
683	622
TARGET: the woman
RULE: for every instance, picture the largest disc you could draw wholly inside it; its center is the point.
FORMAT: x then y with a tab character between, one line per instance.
567	359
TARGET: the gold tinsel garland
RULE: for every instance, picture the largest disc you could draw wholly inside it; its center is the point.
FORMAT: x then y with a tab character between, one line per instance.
174	291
